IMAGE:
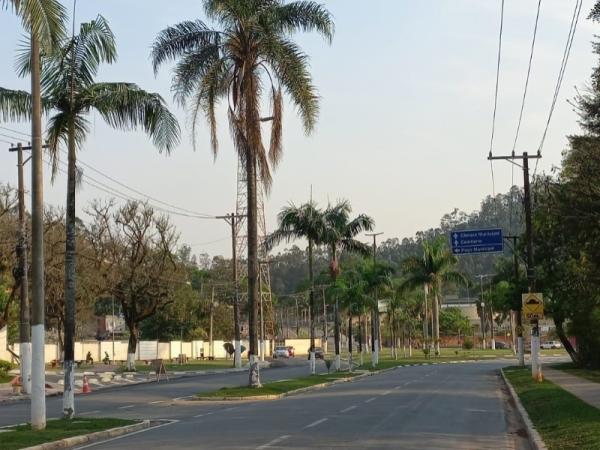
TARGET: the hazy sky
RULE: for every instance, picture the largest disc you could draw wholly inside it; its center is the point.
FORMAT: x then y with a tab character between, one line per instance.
407	93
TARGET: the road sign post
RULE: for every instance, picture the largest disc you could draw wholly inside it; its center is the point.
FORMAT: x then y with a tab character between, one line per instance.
468	242
533	310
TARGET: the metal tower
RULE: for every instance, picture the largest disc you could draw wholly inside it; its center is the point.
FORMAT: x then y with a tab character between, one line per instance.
241	239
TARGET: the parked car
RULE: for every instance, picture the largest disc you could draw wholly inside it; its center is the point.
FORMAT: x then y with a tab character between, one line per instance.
501	345
551	345
291	351
318	353
281	352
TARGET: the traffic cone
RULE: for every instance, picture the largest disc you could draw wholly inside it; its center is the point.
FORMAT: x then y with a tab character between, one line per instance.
86	386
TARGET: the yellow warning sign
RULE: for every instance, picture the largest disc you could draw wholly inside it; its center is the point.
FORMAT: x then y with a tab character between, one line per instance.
533	306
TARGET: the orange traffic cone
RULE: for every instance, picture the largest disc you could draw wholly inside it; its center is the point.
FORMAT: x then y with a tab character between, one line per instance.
86	385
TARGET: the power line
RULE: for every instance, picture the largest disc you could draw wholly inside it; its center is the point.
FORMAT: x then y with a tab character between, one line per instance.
497	77
535	28
561	72
15	131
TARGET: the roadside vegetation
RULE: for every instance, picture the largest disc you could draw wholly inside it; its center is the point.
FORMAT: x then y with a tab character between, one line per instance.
277	387
22	436
572	369
563	421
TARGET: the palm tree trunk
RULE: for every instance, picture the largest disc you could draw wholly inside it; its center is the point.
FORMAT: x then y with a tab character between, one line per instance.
312	308
336	331
350	342
435	309
38	379
70	269
360	339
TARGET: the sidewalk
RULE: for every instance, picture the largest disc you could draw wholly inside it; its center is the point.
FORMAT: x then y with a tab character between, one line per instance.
586	390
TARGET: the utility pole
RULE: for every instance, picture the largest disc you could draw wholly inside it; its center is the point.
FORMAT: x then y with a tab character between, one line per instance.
324	320
536	369
211	351
22	277
231	219
375	319
517	304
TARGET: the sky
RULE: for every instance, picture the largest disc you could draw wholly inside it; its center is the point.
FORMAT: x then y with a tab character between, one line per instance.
407	90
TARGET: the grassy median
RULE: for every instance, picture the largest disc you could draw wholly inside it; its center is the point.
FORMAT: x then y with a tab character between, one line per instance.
22	436
276	387
216	364
563	421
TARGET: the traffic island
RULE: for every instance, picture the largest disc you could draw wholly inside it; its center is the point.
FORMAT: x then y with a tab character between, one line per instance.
65	433
562	420
278	389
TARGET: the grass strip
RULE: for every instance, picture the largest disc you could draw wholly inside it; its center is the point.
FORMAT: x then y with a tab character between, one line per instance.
564	421
22	436
277	387
572	369
174	367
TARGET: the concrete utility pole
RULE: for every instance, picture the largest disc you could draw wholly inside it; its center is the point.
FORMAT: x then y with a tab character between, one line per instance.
22	276
536	369
375	319
211	349
517	304
231	220
38	376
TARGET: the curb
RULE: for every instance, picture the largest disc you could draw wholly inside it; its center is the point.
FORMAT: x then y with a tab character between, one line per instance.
534	438
91	437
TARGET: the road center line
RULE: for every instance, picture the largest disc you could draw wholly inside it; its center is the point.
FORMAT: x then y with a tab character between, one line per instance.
203	414
273	442
314	424
230	409
398	387
89	412
386	392
349	408
157	401
369	400
181	398
126	406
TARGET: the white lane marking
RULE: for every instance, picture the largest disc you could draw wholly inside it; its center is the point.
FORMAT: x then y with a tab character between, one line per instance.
181	398
89	412
386	393
273	442
203	414
315	423
481	410
230	409
369	400
349	408
398	387
156	402
127	406
171	422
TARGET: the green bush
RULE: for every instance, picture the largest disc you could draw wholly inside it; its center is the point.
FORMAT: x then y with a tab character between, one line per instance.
5	366
468	344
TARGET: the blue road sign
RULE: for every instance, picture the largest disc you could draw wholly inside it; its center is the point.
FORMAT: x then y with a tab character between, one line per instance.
467	242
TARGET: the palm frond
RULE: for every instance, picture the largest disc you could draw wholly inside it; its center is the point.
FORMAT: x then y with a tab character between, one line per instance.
125	106
15	106
57	133
43	18
305	16
275	149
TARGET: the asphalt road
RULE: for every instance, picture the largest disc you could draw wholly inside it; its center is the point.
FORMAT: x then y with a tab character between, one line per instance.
152	400
447	406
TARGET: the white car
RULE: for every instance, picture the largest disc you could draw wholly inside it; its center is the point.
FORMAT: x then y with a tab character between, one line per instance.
551	345
281	352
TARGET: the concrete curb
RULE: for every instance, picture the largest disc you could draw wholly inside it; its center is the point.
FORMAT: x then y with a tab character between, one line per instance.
91	437
534	438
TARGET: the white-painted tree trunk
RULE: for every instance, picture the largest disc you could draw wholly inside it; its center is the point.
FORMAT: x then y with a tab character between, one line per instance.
350	362
337	362
237	355
254	372
262	350
130	361
38	378
376	352
493	344
535	357
312	365
362	356
69	391
521	350
25	355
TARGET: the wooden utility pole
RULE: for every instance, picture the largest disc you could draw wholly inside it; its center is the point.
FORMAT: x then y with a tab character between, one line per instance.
231	219
21	276
535	331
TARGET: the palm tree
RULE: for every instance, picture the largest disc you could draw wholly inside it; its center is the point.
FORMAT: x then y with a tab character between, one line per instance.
44	20
436	267
69	93
252	53
303	222
339	236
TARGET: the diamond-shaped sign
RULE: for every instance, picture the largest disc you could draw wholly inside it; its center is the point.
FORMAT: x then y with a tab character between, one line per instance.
533	306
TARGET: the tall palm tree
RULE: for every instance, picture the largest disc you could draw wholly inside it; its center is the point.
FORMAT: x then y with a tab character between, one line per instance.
339	236
436	267
303	222
44	21
252	53
69	93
